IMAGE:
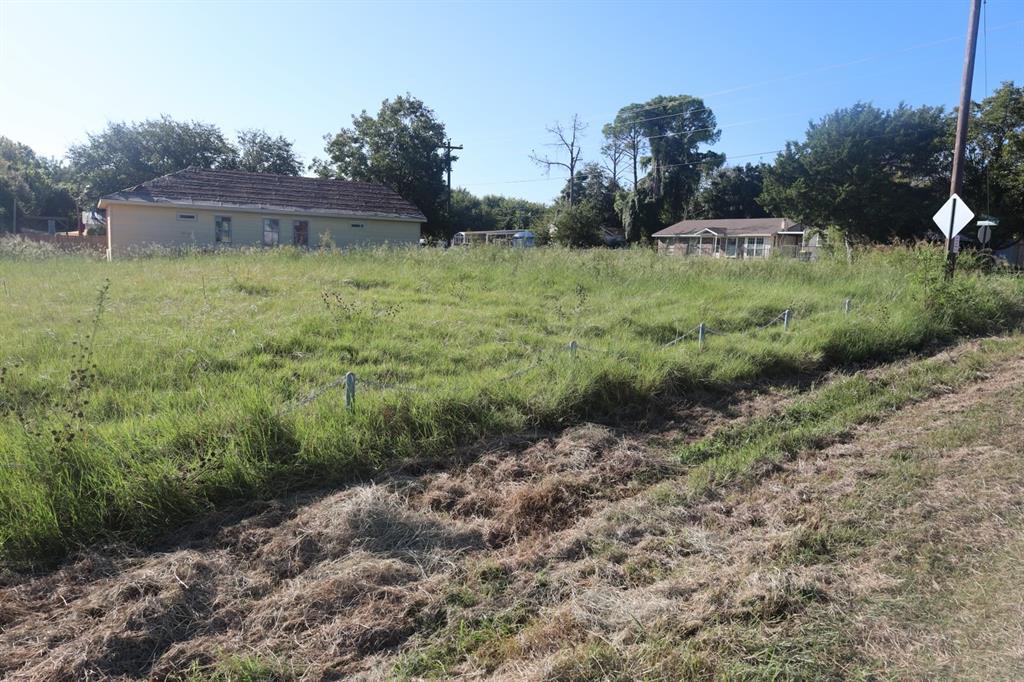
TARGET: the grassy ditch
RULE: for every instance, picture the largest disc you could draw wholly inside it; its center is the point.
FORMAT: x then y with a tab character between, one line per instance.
826	414
818	585
185	385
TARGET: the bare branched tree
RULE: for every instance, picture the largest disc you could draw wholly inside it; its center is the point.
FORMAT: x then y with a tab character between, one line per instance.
567	138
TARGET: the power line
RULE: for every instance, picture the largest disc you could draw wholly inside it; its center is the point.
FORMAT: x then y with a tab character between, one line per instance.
671	165
792	76
840	65
723	127
748	86
684	133
728	157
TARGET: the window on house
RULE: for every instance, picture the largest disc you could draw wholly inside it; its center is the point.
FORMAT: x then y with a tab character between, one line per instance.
187	217
271	232
358	226
222	229
754	247
730	247
300	233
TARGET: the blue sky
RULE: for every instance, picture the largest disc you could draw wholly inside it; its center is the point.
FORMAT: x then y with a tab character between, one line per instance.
495	73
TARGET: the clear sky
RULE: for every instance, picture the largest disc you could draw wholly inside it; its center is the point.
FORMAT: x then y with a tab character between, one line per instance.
496	73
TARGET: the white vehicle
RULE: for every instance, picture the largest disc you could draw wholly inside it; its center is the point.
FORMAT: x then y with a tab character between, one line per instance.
519	239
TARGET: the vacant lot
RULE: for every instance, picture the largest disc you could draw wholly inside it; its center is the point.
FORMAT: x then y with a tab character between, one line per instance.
138	394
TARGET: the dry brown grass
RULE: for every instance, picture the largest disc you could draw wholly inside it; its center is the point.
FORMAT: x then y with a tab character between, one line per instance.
330	581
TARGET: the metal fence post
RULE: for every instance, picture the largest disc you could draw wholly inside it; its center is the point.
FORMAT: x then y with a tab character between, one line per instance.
350	391
785	319
572	348
846	306
700	336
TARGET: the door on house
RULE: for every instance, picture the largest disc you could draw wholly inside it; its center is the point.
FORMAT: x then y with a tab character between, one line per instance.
300	233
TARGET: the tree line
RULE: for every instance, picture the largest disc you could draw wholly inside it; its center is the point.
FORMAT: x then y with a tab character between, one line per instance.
127	154
875	174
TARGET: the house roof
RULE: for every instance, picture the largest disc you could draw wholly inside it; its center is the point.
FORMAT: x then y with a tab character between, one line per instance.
731	227
267	192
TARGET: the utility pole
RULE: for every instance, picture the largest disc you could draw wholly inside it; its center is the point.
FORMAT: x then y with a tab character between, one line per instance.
447	147
956	184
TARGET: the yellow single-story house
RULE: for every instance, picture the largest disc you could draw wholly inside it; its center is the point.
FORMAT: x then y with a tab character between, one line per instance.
234	208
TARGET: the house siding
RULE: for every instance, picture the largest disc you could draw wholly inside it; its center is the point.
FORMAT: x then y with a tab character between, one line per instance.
138	226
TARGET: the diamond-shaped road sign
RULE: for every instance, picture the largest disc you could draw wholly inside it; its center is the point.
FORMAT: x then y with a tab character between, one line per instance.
953	216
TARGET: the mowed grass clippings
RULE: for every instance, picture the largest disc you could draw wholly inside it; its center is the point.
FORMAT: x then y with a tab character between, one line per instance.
188	385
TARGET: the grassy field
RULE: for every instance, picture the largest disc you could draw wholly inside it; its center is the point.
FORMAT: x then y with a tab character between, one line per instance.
136	394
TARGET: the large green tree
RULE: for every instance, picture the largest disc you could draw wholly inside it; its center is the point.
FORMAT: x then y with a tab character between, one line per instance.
626	134
399	147
875	174
35	184
994	182
578	225
259	152
732	193
594	185
676	128
494	212
127	154
664	144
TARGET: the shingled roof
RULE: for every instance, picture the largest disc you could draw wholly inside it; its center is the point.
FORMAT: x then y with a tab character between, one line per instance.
730	227
266	192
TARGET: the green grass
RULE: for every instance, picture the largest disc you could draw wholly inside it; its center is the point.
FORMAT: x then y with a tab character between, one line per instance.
183	393
248	668
825	414
479	638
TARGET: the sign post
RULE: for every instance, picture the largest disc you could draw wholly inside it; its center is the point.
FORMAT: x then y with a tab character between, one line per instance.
985	229
963	114
950	219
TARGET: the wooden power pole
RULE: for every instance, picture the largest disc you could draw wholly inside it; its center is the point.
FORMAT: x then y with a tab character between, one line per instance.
956	183
447	147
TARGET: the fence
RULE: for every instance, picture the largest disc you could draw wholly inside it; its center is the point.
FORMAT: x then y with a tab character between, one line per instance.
70	241
700	333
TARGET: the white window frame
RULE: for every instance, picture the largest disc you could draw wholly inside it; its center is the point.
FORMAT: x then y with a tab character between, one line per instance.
735	243
271	226
218	232
754	247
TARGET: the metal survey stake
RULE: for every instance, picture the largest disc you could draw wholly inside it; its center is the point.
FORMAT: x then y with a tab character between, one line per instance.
350	391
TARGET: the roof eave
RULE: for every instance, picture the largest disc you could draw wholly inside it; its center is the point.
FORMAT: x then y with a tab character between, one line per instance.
106	201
